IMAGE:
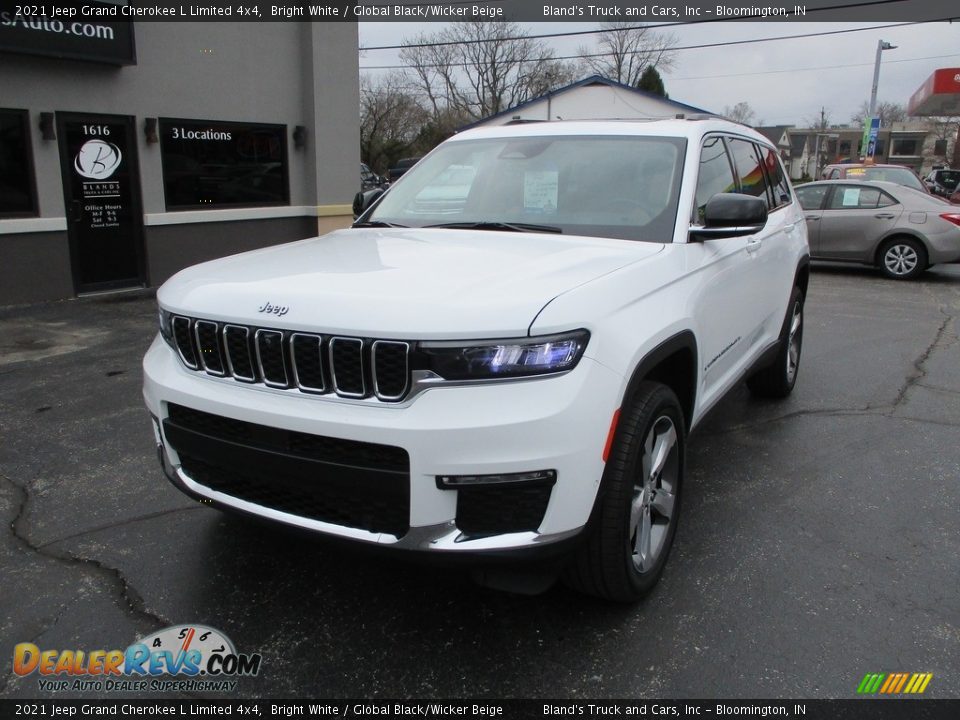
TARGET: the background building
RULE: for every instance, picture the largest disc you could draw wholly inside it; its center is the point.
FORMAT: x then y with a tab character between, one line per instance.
593	98
131	150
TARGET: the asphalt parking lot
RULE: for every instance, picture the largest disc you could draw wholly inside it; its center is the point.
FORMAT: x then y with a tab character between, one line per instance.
820	538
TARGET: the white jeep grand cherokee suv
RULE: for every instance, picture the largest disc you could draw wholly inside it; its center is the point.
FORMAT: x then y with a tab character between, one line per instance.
503	357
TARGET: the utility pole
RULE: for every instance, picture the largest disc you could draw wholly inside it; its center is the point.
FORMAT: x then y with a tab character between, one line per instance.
869	138
881	46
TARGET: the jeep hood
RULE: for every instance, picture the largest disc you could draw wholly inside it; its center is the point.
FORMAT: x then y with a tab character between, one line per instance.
415	284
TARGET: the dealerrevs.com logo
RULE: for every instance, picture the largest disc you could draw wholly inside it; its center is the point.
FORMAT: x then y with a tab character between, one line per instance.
181	658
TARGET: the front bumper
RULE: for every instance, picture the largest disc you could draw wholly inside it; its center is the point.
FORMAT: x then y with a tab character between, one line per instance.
558	423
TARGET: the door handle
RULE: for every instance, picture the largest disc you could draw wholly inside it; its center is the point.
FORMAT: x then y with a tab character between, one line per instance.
76	210
811	217
753	244
885	216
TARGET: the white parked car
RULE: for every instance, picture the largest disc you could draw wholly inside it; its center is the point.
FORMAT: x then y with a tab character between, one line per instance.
514	377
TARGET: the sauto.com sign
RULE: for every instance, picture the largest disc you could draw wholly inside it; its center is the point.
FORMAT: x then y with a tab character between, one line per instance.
36	30
181	658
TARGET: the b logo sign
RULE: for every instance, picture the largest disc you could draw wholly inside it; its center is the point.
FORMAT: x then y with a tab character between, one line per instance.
97	160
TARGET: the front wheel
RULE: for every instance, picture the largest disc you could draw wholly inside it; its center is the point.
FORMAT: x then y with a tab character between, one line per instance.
627	548
902	258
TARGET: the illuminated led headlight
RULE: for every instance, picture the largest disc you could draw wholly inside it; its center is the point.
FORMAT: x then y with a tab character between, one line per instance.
504	358
166	329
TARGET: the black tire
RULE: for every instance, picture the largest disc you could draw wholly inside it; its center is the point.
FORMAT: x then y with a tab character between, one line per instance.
902	258
777	380
608	564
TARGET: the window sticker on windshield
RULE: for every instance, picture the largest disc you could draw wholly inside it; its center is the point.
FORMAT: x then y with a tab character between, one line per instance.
851	197
540	190
851	172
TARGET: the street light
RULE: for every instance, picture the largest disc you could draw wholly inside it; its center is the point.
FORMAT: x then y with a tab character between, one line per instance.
869	132
881	46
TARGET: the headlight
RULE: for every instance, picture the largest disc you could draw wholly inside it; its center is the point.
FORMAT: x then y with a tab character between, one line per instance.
518	357
166	329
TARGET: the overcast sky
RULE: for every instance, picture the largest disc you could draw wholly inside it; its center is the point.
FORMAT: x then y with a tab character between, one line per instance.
800	75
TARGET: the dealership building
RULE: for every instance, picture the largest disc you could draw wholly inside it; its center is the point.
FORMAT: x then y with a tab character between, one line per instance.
129	150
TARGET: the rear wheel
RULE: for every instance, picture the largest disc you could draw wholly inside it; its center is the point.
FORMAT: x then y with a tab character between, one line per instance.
902	258
777	380
624	555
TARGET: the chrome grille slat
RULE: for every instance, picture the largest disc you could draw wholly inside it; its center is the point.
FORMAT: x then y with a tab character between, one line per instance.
184	341
348	377
348	367
236	340
391	369
207	336
306	354
270	346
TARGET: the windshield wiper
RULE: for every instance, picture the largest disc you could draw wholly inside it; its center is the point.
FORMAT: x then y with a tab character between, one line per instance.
378	223
496	225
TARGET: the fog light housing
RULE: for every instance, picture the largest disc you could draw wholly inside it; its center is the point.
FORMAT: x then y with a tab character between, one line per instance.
527	479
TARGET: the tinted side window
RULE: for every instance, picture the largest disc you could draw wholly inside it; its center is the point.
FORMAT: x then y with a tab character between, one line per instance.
749	170
16	173
886	200
780	195
715	175
855	198
811	198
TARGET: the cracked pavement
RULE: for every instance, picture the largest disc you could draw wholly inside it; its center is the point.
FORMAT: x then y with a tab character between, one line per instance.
820	537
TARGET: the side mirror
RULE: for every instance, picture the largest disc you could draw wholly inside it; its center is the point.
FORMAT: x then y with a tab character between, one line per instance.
731	215
364	199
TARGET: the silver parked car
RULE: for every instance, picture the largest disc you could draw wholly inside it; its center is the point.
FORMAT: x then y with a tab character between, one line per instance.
899	230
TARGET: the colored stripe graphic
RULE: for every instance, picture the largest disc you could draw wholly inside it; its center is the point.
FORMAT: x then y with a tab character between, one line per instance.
894	683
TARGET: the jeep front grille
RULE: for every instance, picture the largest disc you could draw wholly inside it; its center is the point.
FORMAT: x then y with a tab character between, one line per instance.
348	367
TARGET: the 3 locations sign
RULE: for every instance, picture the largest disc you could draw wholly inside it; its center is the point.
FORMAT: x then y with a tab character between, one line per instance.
36	30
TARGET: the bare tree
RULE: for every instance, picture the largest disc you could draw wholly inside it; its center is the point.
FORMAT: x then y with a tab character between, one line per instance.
946	134
821	121
741	113
629	49
888	112
391	119
479	68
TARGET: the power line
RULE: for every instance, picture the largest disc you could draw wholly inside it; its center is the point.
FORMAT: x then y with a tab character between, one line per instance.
411	87
804	69
729	43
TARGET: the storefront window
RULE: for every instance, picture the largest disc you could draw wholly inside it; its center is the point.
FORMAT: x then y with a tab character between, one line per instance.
212	164
904	146
17	195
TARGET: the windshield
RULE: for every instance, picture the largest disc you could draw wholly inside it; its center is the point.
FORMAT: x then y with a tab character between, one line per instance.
901	176
948	178
619	187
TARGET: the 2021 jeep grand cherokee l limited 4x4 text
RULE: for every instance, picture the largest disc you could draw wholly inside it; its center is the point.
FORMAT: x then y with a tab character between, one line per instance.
503	356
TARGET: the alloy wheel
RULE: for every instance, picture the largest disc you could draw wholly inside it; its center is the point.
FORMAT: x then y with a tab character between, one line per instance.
654	494
900	259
